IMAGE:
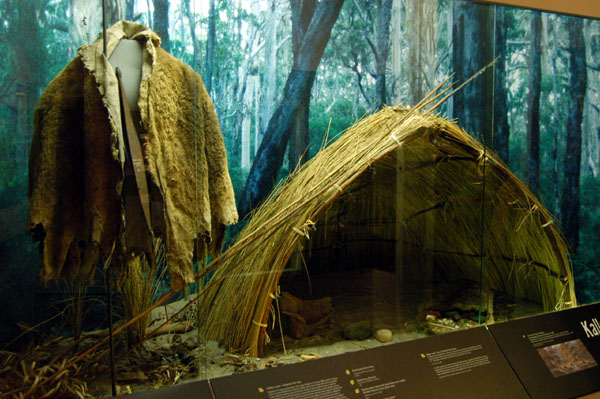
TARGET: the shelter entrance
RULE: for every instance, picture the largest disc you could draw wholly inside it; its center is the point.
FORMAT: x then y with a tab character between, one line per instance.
399	249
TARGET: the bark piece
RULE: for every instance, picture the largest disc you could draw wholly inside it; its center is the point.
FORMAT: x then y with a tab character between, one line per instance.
304	317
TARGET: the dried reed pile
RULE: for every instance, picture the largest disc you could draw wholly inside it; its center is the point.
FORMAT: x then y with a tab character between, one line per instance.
412	169
138	286
24	371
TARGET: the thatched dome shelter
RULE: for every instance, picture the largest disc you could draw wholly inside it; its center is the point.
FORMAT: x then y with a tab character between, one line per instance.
400	186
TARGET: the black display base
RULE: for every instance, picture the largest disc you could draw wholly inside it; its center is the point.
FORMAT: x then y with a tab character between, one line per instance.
553	356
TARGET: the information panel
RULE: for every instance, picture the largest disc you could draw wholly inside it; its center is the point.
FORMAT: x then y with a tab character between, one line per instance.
191	390
555	355
461	364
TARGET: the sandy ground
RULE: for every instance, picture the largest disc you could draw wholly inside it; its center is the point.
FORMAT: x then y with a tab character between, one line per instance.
212	361
372	297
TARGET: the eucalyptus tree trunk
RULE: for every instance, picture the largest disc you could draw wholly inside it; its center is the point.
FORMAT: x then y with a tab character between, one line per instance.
396	23
377	36
473	39
270	67
257	132
28	48
187	11
414	12
557	122
296	95
129	10
149	13
590	145
593	51
382	38
302	12
570	202
248	103
501	126
533	102
472	50
420	31
450	35
115	11
161	22
210	47
84	19
245	87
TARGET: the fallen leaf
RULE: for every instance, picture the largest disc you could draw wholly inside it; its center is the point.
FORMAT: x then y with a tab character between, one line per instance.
309	356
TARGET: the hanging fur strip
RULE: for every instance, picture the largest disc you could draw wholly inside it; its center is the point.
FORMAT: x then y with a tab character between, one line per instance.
78	207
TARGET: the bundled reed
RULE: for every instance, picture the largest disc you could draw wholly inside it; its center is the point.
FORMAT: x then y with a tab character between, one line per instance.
138	287
389	175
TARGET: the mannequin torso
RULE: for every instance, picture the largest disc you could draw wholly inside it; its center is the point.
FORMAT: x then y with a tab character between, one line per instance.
128	57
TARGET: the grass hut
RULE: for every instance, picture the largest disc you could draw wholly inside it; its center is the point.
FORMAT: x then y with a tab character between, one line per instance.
399	188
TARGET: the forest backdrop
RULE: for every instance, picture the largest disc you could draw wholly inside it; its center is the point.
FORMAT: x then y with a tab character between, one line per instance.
284	74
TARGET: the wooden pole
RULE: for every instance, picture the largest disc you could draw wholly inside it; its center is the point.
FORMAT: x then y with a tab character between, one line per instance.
107	284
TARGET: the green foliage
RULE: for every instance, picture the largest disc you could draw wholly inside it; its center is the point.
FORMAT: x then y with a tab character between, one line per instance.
178	49
330	122
238	177
33	52
348	52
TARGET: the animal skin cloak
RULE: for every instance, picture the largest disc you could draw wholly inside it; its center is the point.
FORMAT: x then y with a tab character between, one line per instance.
76	164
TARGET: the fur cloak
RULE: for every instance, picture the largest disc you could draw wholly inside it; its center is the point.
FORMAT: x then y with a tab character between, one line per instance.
76	163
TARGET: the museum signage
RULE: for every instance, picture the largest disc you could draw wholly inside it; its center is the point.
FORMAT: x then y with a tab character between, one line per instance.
592	328
555	355
460	364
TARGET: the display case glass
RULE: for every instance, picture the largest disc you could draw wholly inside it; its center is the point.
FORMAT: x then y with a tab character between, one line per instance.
269	182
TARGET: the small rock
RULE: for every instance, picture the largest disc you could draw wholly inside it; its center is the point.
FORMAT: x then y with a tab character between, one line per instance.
452	315
359	330
383	335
